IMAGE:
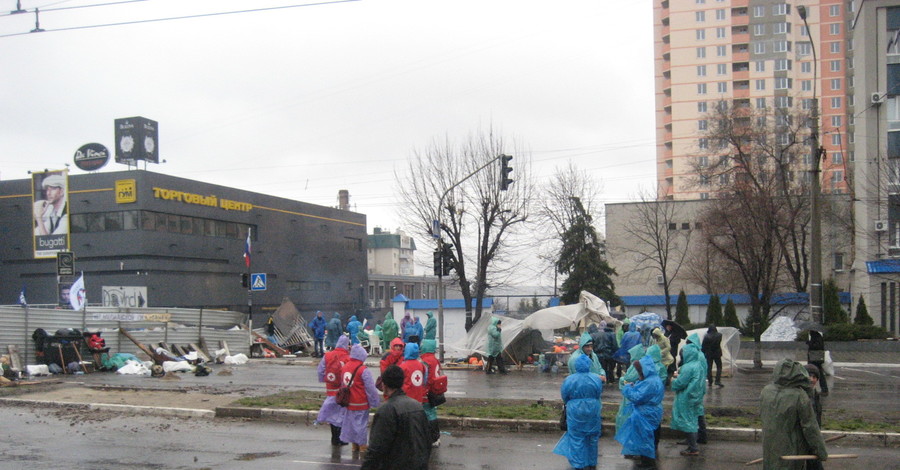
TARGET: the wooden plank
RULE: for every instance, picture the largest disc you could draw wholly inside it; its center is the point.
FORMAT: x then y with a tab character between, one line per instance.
200	353
278	350
224	345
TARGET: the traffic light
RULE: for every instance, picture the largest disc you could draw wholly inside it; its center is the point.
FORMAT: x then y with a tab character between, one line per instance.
437	262
245	280
505	170
447	258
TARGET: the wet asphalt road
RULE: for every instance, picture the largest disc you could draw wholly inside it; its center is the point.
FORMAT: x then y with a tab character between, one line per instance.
856	387
52	439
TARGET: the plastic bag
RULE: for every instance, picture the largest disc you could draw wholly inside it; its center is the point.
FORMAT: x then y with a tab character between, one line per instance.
828	367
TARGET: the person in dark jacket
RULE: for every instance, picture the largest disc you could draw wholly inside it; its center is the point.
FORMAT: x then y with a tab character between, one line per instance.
712	349
816	356
674	341
399	438
816	399
317	325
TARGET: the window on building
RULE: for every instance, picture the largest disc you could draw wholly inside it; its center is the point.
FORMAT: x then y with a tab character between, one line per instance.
760	85
850	44
759	48
835	83
702	124
782	65
806	104
700	2
837	177
850	61
720	33
783	83
701	52
835	65
723	179
781	28
721	69
701	34
759	11
701	88
701	106
760	66
834	10
838	261
720	14
836	121
700	16
761	102
836	102
703	161
836	139
806	67
723	87
781	9
759	29
784	101
701	70
673	226
703	143
804	48
721	51
782	46
835	47
834	29
837	158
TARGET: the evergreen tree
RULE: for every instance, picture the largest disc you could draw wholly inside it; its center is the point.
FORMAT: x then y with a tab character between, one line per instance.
862	313
681	310
714	311
582	261
731	318
834	314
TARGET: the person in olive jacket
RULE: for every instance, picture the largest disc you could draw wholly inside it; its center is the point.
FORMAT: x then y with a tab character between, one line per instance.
399	438
789	424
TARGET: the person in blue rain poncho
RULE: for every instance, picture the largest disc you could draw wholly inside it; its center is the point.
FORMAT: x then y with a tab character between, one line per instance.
637	352
317	325
644	397
586	348
631	338
333	331
353	327
581	394
690	389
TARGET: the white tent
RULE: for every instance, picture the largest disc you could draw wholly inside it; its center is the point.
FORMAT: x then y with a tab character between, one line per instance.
590	309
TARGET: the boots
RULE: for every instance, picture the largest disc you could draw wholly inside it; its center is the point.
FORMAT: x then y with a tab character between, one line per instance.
362	451
336	436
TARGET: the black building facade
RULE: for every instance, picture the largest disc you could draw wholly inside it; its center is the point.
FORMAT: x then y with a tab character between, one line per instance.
183	240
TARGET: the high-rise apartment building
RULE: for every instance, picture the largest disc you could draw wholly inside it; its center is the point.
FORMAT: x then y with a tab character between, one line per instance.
752	54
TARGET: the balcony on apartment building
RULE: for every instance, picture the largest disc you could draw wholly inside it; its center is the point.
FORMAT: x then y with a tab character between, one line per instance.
740	53
740	15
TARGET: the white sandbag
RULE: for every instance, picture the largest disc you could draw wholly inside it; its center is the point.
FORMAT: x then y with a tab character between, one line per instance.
828	367
38	369
237	359
191	356
177	366
133	368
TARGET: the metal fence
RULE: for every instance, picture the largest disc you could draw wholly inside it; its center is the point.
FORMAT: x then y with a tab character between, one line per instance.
169	325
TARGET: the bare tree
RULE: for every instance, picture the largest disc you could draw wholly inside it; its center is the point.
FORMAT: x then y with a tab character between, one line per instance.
554	209
656	247
478	252
708	269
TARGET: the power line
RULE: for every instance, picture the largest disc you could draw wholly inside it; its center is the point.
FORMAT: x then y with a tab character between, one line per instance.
201	15
44	10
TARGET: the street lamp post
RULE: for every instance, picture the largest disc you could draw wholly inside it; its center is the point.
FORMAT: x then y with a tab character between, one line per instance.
815	219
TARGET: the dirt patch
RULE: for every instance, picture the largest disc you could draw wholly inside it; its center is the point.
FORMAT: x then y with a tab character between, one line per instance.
160	398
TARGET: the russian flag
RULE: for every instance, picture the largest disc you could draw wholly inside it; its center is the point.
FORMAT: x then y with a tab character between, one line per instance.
247	248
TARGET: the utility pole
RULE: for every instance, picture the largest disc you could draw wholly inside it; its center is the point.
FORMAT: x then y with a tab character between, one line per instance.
815	219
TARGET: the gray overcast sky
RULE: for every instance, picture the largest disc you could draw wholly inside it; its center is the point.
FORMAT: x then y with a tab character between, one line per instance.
302	102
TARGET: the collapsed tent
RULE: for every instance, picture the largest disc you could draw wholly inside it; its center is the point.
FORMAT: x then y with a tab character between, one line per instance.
589	309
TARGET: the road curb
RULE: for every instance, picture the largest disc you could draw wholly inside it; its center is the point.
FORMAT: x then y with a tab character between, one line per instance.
882	439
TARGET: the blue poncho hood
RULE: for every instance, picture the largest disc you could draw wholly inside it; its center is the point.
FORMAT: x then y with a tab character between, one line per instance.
411	351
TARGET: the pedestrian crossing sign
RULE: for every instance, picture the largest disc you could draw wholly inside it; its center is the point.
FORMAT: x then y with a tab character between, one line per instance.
258	281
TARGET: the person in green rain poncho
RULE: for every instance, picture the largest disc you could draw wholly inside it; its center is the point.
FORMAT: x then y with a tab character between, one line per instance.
431	327
389	330
690	389
789	424
586	348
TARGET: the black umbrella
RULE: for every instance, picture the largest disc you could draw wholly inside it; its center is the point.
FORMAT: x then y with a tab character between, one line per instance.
809	325
676	328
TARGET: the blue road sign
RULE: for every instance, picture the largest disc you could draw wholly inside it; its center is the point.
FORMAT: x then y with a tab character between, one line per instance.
258	281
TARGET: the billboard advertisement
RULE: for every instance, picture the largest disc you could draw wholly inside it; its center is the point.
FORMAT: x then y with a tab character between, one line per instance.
50	214
124	296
